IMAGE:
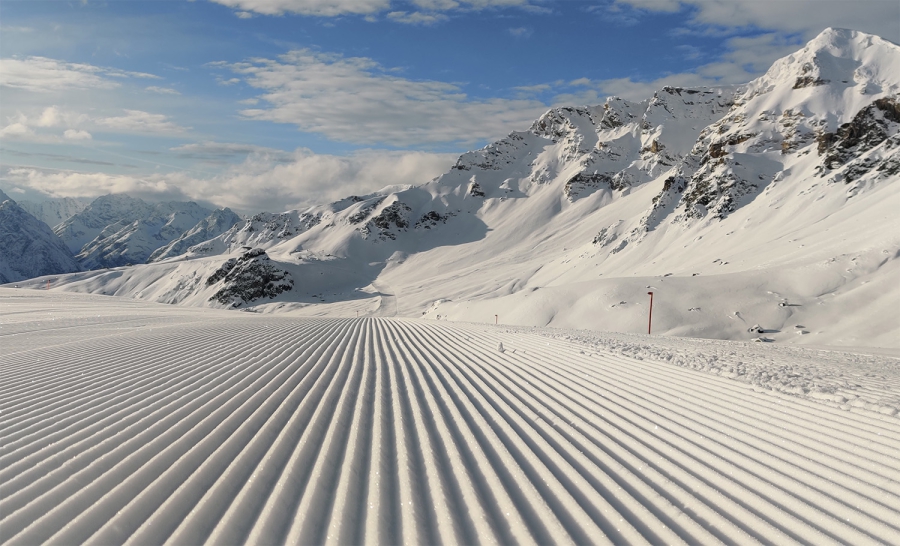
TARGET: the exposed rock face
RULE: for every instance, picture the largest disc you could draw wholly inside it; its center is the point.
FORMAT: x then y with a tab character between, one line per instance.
28	247
251	277
870	128
583	182
386	224
432	218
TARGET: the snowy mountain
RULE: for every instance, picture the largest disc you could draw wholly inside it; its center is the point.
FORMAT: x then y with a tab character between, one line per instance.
54	211
83	227
768	207
28	248
133	241
217	223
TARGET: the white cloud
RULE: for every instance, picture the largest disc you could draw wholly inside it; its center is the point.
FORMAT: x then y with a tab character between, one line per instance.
357	100
162	90
75	134
521	32
243	14
49	118
416	17
261	182
808	17
137	121
47	75
308	7
43	74
55	183
16	130
332	8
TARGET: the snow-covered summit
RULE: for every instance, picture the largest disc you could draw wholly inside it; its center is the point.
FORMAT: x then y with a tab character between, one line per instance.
129	242
28	248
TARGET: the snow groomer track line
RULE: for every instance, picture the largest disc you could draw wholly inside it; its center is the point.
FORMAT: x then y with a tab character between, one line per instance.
189	428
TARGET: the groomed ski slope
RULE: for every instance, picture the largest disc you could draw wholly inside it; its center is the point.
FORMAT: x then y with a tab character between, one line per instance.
127	422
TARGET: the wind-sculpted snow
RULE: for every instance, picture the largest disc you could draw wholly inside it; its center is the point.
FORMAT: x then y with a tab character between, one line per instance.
128	422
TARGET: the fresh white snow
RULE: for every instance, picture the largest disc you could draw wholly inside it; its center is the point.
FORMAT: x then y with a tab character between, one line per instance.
771	204
129	422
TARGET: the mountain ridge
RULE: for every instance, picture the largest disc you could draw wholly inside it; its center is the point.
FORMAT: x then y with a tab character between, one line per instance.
690	182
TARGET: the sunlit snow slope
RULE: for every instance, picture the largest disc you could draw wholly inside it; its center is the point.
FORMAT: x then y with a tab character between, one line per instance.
770	205
128	422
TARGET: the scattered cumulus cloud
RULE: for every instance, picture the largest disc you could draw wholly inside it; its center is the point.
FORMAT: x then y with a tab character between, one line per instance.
357	100
324	8
243	14
51	119
416	17
162	90
807	17
137	121
429	10
42	74
75	134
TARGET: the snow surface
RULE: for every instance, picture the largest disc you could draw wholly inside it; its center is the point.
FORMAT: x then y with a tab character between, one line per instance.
128	422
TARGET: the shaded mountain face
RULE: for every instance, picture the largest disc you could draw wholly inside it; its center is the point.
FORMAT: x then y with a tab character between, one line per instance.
792	169
84	227
55	210
28	247
129	242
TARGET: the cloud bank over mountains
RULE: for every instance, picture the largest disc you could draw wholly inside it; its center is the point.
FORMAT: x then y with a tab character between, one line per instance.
300	118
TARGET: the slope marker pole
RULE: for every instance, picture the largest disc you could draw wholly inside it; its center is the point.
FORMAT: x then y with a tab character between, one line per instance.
650	319
496	319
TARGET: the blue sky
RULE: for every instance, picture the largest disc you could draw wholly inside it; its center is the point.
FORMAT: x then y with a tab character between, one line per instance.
272	104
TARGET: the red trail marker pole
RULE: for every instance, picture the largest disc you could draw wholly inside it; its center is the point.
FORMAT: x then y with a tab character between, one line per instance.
650	319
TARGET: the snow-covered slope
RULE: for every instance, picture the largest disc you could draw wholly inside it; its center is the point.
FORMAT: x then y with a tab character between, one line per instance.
218	222
129	242
104	211
56	210
771	204
128	422
28	247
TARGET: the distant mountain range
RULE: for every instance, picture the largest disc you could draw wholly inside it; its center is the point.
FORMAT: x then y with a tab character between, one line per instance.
738	199
111	231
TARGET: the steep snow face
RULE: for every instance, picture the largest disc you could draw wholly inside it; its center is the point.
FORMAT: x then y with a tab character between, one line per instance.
56	210
212	226
133	242
836	98
83	227
28	247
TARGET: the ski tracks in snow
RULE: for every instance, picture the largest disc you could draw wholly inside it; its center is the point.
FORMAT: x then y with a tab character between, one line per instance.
348	431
